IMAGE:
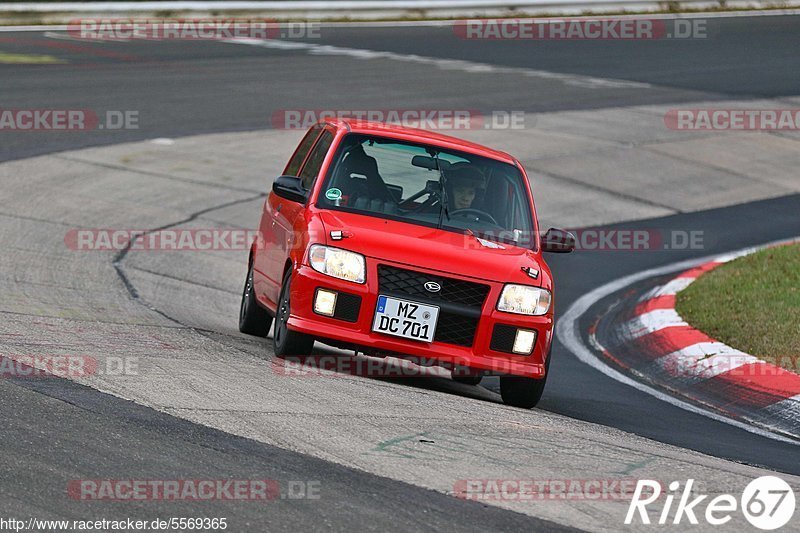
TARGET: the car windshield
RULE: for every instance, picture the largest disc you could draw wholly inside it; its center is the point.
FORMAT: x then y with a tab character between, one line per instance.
428	185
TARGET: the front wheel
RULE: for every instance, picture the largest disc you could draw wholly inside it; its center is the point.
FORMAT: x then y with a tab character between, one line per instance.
286	341
253	319
524	392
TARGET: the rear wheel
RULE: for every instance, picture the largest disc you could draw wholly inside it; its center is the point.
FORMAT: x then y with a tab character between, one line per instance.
524	392
286	341
253	319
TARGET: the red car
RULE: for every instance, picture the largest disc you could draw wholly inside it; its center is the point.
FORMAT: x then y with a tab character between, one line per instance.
403	242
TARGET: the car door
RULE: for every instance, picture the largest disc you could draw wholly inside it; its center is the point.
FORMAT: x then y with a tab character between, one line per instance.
286	213
269	258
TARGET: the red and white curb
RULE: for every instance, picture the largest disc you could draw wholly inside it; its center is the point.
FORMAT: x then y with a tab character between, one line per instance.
696	361
685	366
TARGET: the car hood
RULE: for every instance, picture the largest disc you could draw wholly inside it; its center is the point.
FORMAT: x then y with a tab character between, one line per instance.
431	248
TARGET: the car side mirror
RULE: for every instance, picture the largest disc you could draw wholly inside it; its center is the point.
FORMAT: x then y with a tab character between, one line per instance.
558	241
290	188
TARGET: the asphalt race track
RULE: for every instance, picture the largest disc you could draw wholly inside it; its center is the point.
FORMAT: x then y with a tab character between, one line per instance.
187	88
207	402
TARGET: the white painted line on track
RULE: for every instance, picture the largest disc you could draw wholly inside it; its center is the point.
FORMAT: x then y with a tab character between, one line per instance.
725	258
7	29
68	37
664	16
671	288
568	332
588	82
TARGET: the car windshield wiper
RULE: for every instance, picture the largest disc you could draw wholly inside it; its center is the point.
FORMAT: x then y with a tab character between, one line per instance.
443	201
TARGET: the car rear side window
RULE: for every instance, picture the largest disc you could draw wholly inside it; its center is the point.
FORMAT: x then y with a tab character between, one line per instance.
302	151
315	159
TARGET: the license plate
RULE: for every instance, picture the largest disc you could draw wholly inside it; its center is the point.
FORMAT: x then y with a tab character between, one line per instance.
403	318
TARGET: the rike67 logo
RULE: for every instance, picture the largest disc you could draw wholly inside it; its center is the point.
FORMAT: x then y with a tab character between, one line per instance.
768	503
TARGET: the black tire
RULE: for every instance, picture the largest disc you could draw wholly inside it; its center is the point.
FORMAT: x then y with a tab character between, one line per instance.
524	392
253	319
286	341
466	377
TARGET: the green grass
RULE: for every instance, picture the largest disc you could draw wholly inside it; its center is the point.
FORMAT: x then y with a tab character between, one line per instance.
751	304
28	59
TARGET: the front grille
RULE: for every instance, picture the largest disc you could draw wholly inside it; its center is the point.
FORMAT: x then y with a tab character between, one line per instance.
460	301
455	329
412	284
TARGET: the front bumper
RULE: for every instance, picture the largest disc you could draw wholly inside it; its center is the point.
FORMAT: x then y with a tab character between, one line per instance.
358	332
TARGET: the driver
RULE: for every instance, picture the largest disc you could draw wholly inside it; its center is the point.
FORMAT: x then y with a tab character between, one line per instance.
463	184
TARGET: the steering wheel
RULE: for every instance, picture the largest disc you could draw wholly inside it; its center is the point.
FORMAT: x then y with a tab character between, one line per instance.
476	212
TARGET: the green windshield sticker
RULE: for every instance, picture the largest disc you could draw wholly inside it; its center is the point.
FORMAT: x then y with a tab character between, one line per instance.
333	194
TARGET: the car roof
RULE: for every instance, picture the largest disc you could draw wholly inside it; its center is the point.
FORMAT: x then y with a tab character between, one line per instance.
419	135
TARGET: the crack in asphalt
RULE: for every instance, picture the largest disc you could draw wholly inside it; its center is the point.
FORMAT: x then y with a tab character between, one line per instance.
120	256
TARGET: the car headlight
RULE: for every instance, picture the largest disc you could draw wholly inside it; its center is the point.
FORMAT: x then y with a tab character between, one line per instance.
524	300
337	263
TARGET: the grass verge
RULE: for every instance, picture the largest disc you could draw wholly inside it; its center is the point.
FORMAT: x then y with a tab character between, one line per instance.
751	304
28	59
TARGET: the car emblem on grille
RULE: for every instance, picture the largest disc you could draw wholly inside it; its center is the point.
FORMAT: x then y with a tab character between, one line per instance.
432	286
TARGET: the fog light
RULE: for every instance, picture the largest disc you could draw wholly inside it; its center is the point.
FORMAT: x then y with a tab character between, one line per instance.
523	342
325	302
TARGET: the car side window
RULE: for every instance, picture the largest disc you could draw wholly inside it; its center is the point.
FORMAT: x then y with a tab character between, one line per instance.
302	151
315	159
